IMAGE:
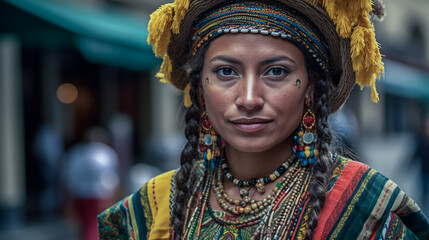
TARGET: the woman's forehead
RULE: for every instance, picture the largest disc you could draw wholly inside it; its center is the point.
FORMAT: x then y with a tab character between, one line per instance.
254	46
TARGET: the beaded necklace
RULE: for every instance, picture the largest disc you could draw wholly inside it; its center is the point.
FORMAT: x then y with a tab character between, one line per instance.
193	226
248	205
258	183
277	219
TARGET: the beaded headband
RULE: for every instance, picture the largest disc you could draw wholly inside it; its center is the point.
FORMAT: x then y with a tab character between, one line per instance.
261	17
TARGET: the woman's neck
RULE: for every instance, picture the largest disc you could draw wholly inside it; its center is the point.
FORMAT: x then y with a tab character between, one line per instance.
248	165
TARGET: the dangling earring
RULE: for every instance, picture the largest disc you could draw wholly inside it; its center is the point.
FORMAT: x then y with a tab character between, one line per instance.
305	146
210	142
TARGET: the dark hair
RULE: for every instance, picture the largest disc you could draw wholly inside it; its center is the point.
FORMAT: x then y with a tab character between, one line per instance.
190	154
322	167
321	170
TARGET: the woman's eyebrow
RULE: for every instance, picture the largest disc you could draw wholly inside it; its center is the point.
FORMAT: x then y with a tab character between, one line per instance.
225	59
263	62
275	59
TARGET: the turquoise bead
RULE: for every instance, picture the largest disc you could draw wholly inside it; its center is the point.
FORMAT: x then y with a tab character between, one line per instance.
303	161
208	140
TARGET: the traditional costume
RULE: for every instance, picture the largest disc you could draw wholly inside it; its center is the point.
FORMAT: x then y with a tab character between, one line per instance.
361	203
337	37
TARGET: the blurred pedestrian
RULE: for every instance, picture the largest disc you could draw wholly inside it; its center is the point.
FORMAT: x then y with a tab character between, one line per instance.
48	149
422	155
91	178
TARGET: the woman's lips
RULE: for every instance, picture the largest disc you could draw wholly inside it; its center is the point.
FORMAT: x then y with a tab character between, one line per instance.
250	124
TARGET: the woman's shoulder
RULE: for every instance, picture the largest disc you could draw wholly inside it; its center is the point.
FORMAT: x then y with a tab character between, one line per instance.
357	181
362	201
112	222
134	216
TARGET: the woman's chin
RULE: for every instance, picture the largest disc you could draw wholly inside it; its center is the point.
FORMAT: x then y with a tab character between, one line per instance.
252	147
259	145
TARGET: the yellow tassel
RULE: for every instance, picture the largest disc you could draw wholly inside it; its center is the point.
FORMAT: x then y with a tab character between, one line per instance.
357	41
352	21
187	97
374	94
366	56
165	70
159	29
345	13
160	75
180	9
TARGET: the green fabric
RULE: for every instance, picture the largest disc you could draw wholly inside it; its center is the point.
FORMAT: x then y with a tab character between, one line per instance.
113	222
142	213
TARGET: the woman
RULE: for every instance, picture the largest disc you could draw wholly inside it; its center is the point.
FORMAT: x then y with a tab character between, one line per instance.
260	79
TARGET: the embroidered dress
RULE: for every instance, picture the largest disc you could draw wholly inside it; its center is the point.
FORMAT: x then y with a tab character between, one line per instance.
360	204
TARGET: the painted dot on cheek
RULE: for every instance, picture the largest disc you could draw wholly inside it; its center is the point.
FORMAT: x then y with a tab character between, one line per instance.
298	83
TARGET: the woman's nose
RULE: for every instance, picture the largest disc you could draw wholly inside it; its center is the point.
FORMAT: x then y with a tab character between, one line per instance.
250	92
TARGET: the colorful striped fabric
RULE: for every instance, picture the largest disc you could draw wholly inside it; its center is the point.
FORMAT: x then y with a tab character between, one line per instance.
360	204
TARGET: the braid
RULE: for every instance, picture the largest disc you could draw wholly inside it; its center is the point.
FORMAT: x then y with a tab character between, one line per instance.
322	166
185	177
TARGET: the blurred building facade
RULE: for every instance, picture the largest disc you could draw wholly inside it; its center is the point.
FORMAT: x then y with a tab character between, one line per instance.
390	131
65	67
404	39
70	65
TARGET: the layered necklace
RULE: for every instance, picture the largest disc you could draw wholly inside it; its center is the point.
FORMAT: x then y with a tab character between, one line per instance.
247	205
274	217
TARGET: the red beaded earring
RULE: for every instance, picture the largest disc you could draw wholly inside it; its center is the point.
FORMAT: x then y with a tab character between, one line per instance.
210	142
305	147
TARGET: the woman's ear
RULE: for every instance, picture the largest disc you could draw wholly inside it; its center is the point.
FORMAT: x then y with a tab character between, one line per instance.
201	100
310	90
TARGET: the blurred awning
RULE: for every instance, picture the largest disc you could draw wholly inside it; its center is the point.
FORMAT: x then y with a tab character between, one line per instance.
406	81
103	35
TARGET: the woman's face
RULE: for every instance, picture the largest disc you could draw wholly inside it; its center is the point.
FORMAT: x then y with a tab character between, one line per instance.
254	88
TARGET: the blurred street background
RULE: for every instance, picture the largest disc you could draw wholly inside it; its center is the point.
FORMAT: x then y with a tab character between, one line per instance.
84	122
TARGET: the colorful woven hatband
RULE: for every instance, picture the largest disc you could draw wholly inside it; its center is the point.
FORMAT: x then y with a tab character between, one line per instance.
261	17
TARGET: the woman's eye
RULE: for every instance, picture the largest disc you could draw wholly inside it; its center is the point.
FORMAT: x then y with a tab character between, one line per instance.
277	71
225	72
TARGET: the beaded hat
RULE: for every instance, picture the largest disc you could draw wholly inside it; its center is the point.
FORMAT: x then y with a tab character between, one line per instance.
338	34
261	17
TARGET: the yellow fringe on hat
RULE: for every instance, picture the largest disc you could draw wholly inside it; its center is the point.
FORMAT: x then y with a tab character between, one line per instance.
351	18
187	97
165	71
345	13
366	56
159	29
163	22
180	9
